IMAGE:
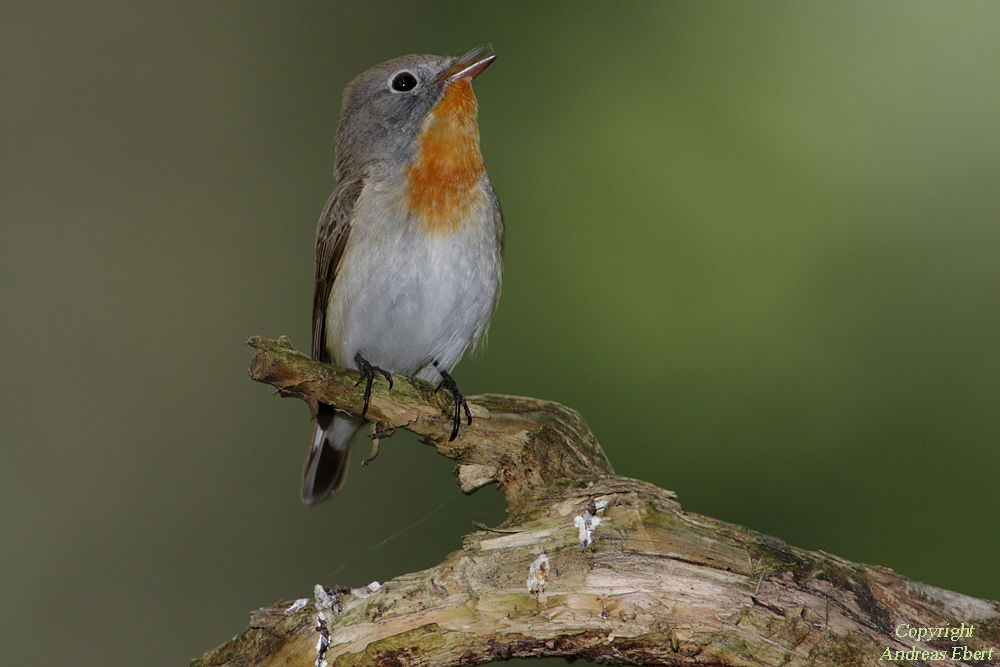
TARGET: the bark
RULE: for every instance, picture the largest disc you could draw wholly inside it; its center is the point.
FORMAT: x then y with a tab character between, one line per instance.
656	585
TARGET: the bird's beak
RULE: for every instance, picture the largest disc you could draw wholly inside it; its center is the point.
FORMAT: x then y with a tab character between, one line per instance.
470	65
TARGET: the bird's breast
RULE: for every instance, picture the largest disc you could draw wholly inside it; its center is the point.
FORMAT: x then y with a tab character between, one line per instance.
444	181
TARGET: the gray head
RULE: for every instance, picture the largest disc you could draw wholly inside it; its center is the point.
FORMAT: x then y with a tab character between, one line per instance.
385	107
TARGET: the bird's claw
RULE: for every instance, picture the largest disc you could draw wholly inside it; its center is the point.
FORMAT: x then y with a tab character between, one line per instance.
368	372
448	382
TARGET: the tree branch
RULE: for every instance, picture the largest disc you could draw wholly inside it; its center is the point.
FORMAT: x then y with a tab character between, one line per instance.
656	585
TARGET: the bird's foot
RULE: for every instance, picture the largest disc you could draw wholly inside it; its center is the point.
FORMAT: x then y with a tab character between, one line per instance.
448	382
368	376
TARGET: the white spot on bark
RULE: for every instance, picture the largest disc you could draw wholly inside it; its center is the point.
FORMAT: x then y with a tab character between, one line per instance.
367	591
586	523
323	599
538	575
323	643
295	606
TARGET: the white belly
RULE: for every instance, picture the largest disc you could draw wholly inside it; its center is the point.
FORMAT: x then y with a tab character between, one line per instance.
405	298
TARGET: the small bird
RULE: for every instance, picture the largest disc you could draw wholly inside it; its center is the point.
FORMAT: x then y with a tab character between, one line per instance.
408	249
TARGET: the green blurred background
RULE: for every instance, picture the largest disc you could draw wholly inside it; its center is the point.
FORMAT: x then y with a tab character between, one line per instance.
757	246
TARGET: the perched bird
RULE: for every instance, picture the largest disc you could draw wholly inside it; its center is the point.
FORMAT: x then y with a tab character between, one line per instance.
408	249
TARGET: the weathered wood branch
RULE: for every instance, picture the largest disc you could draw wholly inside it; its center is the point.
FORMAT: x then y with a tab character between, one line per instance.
657	584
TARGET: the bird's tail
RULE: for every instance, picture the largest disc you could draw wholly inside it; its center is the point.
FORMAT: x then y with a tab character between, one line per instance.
329	453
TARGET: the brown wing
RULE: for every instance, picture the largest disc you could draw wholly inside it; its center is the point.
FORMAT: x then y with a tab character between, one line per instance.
331	239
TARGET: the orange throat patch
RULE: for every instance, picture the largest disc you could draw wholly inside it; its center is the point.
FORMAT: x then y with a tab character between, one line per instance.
444	176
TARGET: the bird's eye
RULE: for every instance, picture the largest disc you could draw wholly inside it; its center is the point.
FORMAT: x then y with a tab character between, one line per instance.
403	82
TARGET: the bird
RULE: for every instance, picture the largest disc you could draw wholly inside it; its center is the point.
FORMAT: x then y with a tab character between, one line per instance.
409	245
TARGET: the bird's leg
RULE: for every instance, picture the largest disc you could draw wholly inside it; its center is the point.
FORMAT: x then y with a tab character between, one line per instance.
448	382
368	375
